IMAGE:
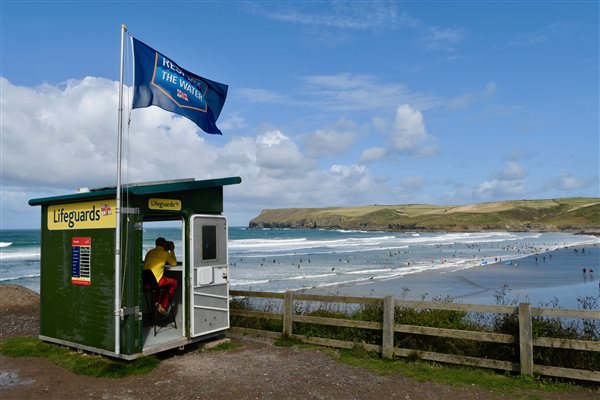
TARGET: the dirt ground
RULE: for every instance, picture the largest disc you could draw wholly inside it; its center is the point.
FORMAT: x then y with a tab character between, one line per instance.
256	370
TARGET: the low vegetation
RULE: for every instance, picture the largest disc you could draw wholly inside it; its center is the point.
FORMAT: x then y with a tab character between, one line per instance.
471	321
514	386
78	362
98	366
568	214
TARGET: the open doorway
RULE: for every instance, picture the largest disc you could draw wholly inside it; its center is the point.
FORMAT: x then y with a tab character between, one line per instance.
172	229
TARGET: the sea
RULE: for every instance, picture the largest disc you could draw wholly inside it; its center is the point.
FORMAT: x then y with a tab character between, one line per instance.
287	259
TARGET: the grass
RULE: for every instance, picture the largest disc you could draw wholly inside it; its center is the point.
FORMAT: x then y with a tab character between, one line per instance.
524	214
102	367
226	346
285	341
98	366
79	363
516	386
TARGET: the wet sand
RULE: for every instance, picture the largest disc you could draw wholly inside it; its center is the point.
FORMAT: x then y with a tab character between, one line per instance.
536	279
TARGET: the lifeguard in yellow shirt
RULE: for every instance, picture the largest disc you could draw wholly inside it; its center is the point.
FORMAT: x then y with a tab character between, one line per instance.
156	259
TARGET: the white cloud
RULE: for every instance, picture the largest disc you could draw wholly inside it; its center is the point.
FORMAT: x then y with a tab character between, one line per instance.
334	22
467	99
348	171
409	135
234	121
512	171
353	183
438	34
490	88
380	123
278	156
497	189
443	38
567	182
350	92
409	128
507	183
70	132
254	95
372	154
412	183
346	92
339	15
543	34
332	140
65	130
272	139
343	92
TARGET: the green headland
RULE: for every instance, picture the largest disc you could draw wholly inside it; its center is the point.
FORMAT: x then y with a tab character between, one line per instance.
565	214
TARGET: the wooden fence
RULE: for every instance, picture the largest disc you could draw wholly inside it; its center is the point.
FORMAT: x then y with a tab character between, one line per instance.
388	327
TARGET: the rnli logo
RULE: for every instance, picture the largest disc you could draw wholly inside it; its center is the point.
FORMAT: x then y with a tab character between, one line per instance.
105	210
181	94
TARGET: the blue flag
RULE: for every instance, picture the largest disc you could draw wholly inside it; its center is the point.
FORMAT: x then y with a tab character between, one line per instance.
161	82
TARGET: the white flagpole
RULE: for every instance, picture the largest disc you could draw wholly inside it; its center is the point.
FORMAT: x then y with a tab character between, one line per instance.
118	211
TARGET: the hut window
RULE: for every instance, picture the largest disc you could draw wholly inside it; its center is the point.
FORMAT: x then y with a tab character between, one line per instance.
209	242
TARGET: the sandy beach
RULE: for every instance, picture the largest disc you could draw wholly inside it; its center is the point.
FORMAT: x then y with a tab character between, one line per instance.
536	279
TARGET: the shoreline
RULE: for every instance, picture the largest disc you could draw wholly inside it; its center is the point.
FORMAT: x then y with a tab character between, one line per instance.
537	279
439	275
573	231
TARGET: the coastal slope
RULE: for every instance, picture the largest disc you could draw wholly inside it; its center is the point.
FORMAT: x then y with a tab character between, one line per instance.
565	214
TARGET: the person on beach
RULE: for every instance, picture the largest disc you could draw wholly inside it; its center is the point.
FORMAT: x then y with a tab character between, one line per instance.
155	261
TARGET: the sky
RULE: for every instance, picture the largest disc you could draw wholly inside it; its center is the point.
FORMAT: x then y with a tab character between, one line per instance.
330	103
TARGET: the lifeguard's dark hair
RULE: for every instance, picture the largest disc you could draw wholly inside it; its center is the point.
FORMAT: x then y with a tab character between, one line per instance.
161	241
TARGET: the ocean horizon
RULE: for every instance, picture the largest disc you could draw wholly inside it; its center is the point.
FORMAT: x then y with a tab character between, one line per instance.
467	267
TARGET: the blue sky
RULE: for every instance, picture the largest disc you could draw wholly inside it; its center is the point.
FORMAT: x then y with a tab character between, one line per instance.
331	103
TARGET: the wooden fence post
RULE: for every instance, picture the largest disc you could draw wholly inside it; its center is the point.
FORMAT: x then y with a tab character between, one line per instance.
387	345
525	339
288	311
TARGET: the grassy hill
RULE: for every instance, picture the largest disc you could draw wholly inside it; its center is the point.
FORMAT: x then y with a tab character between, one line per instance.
568	214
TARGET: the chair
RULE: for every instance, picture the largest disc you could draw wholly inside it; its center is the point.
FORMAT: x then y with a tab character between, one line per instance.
153	293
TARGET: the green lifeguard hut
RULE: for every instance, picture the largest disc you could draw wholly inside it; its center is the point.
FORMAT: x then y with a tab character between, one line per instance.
81	303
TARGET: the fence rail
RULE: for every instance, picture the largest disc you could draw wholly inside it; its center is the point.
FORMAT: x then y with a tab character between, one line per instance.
524	339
